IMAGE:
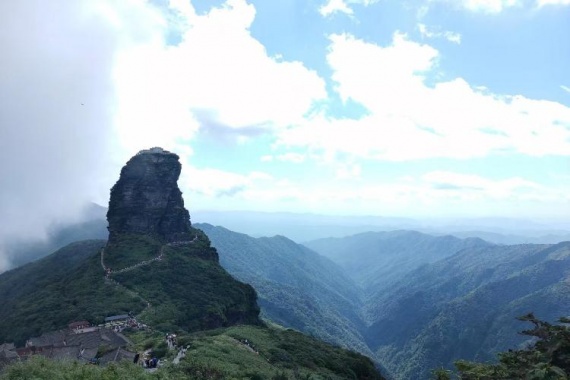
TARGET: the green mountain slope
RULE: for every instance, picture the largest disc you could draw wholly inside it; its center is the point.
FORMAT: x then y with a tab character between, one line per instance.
464	307
437	300
269	353
297	287
186	289
49	293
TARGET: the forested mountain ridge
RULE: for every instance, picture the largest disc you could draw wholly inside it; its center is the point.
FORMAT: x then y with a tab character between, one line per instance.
296	287
376	259
464	307
448	299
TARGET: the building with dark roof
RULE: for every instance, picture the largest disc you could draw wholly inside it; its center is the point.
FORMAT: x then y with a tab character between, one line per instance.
8	354
116	318
78	325
71	345
116	356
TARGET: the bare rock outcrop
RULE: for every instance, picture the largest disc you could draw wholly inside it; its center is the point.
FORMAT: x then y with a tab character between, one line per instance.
146	198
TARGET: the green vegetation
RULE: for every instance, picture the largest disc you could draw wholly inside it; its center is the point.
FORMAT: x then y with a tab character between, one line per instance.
461	306
427	301
191	293
188	291
464	307
269	353
548	357
66	286
39	368
297	288
129	249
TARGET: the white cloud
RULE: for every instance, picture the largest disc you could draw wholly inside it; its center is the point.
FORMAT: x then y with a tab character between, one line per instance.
330	7
486	6
497	6
293	157
477	187
565	88
217	75
542	3
94	82
409	119
348	171
215	183
334	6
432	194
56	106
448	35
296	158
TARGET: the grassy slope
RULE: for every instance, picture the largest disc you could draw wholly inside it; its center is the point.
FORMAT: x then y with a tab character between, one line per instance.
220	354
131	249
190	290
279	351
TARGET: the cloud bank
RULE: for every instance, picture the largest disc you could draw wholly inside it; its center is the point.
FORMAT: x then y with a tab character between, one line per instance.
55	111
84	85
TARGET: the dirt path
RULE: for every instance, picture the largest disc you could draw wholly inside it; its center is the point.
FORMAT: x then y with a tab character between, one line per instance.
109	272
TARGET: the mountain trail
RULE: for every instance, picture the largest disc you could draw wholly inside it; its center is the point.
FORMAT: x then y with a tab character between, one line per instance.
108	271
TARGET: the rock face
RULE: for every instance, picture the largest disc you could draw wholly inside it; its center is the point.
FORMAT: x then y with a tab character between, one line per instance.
146	198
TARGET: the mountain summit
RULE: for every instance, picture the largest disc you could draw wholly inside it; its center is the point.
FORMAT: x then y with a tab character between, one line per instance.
155	266
146	199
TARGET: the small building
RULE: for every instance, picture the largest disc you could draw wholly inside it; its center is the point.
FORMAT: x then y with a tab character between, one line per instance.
117	318
116	356
8	354
78	325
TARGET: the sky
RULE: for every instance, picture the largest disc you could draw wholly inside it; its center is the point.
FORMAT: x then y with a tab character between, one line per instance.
414	108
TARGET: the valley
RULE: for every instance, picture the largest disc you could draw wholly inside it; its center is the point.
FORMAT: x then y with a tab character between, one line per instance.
410	301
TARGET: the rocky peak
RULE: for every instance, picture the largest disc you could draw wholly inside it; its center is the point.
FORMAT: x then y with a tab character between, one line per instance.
146	198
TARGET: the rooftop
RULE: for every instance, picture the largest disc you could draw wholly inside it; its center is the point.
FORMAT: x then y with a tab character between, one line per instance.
116	318
154	150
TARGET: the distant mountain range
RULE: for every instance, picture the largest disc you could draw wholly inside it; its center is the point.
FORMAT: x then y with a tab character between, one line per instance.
301	228
465	305
376	259
424	300
410	300
306	227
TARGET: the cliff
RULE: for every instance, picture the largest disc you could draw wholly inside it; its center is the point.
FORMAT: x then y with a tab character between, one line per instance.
146	199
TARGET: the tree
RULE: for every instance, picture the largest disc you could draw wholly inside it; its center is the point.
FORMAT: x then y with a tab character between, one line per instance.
547	358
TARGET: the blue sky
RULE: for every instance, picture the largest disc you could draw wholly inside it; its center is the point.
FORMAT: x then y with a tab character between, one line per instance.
495	61
430	108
